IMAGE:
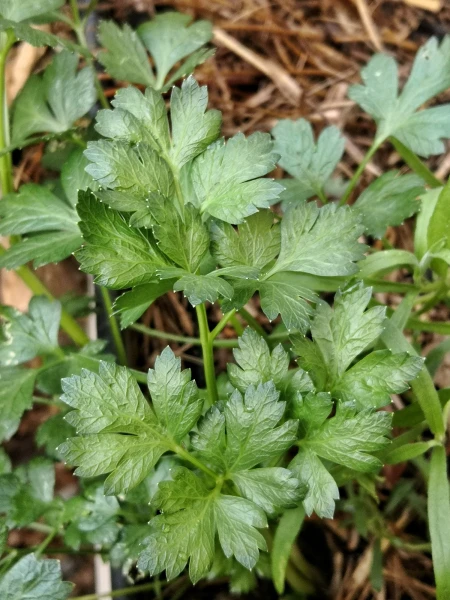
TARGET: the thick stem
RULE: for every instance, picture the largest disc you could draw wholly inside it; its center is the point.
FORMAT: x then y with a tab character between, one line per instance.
114	327
354	180
208	356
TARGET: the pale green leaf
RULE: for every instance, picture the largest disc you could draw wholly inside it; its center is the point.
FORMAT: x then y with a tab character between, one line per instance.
322	489
311	163
53	102
125	57
42	249
169	38
395	113
227	177
34	579
27	335
388	201
372	379
16	396
319	241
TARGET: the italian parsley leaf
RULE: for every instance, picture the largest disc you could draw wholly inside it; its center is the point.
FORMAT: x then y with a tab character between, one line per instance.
131	305
141	158
119	433
254	243
117	255
347	439
186	529
49	224
41	106
27	10
16	396
307	234
388	201
320	241
26	336
257	364
168	38
340	335
397	114
310	163
227	177
31	578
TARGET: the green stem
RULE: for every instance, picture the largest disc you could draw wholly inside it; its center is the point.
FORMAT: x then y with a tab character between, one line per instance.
208	356
40	549
114	327
321	195
221	324
422	386
354	180
5	160
415	164
187	456
134	589
181	339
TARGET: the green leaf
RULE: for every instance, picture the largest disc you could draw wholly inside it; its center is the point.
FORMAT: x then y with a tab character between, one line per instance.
428	203
252	431
203	288
376	376
270	488
137	117
396	114
388	201
120	433
384	261
74	177
25	10
349	437
169	38
194	127
254	243
322	488
117	255
137	170
16	396
174	395
183	238
281	297
131	305
227	177
286	532
439	228
29	335
42	249
42	106
185	530
312	164
32	579
319	241
52	433
34	208
343	333
125	57
439	521
36	37
255	363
